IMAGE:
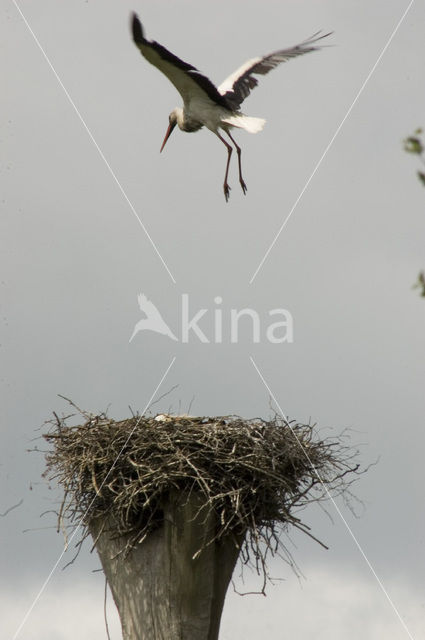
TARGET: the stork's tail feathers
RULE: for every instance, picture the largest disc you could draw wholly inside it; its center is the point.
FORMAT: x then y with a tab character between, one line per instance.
252	125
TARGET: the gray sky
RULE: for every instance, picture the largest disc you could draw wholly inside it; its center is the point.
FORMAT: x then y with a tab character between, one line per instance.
74	257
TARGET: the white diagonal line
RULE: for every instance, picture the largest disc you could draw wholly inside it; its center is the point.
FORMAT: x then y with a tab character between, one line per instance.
341	124
111	171
47	580
347	526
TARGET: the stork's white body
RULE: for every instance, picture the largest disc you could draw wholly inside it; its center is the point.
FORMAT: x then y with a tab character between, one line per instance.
205	105
215	117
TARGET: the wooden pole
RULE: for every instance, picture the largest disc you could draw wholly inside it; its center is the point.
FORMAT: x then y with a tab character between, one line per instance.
160	591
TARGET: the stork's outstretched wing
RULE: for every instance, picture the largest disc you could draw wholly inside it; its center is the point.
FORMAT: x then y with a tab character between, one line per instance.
189	82
240	83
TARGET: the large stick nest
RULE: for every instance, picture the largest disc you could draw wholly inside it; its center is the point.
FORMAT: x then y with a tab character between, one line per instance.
255	474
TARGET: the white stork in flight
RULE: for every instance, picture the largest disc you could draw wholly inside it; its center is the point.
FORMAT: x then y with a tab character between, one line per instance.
204	104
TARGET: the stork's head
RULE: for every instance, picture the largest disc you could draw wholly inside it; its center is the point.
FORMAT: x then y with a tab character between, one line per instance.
175	117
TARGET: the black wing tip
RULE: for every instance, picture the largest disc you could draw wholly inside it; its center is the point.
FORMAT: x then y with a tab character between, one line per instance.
137	29
319	35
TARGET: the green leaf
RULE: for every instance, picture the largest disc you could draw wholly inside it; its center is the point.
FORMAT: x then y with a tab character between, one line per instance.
421	176
413	145
420	283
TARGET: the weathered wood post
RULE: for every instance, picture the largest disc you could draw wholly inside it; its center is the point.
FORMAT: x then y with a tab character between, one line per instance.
160	589
172	501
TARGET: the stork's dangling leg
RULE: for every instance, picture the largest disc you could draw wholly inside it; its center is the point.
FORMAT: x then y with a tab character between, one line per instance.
238	149
226	187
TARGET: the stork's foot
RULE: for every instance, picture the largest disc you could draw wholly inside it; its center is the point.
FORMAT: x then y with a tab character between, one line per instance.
226	190
244	187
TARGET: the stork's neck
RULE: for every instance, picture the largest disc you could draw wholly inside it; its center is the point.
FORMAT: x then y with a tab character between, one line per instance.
185	121
178	112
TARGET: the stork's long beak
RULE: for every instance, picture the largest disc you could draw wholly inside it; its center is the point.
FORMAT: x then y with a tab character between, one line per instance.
168	134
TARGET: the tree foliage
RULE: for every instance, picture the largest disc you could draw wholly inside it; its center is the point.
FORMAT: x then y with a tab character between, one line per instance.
415	145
